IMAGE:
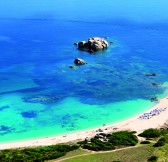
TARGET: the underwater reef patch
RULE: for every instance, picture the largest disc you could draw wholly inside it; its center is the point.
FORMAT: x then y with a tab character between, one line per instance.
29	114
43	99
3	107
5	129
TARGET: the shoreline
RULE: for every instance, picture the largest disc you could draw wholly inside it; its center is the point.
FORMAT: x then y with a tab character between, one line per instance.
132	124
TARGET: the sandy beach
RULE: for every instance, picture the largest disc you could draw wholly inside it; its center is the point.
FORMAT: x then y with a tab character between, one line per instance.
153	119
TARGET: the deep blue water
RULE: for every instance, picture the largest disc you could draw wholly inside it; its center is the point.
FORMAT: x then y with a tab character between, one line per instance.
38	89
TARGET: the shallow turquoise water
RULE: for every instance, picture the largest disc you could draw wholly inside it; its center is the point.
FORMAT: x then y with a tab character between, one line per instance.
41	96
66	116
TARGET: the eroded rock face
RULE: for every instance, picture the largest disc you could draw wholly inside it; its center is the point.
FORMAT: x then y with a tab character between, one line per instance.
79	61
93	45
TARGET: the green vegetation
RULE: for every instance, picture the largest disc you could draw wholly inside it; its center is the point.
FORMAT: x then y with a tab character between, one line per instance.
78	152
103	142
154	133
145	142
140	153
166	138
153	158
97	145
160	142
38	154
163	132
123	138
135	154
150	133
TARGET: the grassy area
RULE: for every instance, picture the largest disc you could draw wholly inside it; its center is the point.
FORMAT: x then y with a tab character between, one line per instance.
73	153
137	154
120	146
162	153
105	142
38	154
154	147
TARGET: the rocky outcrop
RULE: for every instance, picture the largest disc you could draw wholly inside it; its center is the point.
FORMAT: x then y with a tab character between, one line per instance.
79	61
93	44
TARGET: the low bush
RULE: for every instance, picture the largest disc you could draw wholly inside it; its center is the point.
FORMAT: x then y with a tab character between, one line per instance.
150	133
123	138
97	145
134	132
164	131
160	142
39	154
166	138
82	142
153	158
145	142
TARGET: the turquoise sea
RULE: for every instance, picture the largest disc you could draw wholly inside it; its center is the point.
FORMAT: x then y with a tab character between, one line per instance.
41	96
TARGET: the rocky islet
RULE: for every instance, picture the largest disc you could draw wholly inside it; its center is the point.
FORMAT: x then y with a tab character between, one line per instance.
93	45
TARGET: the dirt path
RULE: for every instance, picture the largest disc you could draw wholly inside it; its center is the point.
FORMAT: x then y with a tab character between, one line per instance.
91	153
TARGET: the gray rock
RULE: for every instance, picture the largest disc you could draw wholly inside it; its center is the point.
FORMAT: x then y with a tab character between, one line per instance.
93	44
81	44
76	43
79	61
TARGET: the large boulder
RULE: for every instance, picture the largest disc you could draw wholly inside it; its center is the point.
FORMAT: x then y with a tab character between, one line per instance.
93	44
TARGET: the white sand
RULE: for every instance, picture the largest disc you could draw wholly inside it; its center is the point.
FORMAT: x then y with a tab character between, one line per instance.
133	124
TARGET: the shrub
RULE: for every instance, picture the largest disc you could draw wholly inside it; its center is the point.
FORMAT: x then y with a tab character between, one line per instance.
164	131
153	158
82	142
160	142
166	138
103	134
145	142
123	138
97	145
150	133
134	132
38	154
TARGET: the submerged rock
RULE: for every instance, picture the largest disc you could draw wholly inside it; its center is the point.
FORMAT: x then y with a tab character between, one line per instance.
106	37
93	44
153	99
79	61
155	84
76	43
151	74
72	67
